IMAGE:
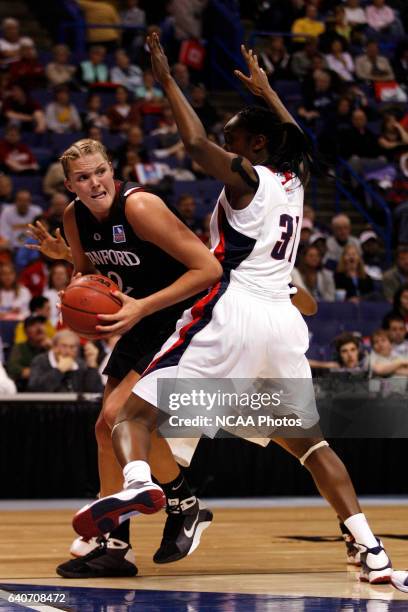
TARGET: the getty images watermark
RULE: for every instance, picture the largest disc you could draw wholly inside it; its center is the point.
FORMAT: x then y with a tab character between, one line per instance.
245	407
221	400
342	405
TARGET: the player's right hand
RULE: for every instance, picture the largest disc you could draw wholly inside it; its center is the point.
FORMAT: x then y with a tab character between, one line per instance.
53	247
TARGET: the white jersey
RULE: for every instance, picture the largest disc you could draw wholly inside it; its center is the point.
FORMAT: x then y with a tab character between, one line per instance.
257	245
246	326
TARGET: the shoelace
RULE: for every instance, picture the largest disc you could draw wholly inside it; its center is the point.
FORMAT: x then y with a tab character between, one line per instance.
173	526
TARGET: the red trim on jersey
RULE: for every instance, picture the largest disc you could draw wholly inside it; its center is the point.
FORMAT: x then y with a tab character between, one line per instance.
197	310
133	190
287	175
219	250
119	185
197	313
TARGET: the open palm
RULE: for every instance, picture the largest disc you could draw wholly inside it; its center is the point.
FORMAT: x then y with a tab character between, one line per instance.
53	247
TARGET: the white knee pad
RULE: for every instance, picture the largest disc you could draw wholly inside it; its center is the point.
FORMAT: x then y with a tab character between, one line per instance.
312	449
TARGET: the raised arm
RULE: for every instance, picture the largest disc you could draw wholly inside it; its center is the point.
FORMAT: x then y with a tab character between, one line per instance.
258	84
233	170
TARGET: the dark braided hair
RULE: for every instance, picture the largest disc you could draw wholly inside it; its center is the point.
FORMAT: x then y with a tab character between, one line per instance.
289	149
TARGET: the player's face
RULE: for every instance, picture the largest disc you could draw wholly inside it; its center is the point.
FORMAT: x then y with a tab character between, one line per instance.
237	139
91	179
349	355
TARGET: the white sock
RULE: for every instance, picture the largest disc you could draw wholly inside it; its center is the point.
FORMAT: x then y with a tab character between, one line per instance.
136	471
361	531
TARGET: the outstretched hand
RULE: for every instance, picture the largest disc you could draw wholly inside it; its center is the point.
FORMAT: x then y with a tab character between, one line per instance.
53	247
160	64
257	81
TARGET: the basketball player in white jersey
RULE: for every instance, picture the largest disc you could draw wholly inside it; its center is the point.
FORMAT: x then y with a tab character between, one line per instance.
246	326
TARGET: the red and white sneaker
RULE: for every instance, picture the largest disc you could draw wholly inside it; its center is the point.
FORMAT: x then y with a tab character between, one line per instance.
399	579
105	514
376	567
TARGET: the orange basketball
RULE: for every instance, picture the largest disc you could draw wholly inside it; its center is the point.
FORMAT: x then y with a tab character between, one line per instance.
85	298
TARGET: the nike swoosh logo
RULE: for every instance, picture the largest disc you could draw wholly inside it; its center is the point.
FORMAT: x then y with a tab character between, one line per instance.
189	532
175	488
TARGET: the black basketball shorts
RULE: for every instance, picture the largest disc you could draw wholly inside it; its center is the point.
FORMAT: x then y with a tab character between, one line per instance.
136	349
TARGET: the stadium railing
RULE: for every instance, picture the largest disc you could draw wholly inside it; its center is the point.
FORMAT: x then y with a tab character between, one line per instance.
385	232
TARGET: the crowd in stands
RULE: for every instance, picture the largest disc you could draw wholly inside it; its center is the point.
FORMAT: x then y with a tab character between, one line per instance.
342	68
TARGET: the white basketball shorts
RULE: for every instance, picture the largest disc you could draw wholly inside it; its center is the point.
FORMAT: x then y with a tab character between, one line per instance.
234	333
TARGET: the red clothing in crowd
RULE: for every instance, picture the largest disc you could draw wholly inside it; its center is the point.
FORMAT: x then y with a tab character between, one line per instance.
28	73
34	277
16	152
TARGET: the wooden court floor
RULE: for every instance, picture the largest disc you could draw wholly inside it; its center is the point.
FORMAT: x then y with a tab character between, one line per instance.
284	551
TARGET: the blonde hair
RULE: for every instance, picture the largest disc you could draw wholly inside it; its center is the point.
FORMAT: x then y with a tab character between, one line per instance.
80	148
341	266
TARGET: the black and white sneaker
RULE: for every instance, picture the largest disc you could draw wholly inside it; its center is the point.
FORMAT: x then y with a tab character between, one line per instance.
376	567
352	551
111	559
105	514
186	521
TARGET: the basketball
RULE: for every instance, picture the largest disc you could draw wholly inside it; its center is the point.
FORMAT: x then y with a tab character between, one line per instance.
85	298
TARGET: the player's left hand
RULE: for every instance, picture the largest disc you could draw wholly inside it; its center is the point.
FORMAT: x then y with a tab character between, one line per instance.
131	312
53	247
257	81
160	64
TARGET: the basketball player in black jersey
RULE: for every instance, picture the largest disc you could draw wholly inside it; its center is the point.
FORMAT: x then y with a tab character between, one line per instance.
144	269
159	265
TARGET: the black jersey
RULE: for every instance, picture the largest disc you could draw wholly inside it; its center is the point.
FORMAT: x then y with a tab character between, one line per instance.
137	266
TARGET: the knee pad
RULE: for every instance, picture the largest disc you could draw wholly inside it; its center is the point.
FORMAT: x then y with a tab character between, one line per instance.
311	450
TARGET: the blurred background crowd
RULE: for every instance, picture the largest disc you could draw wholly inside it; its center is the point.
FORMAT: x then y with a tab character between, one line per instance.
80	68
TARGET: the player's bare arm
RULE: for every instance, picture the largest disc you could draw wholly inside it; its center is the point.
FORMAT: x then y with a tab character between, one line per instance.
258	84
304	302
236	172
53	247
79	259
152	221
